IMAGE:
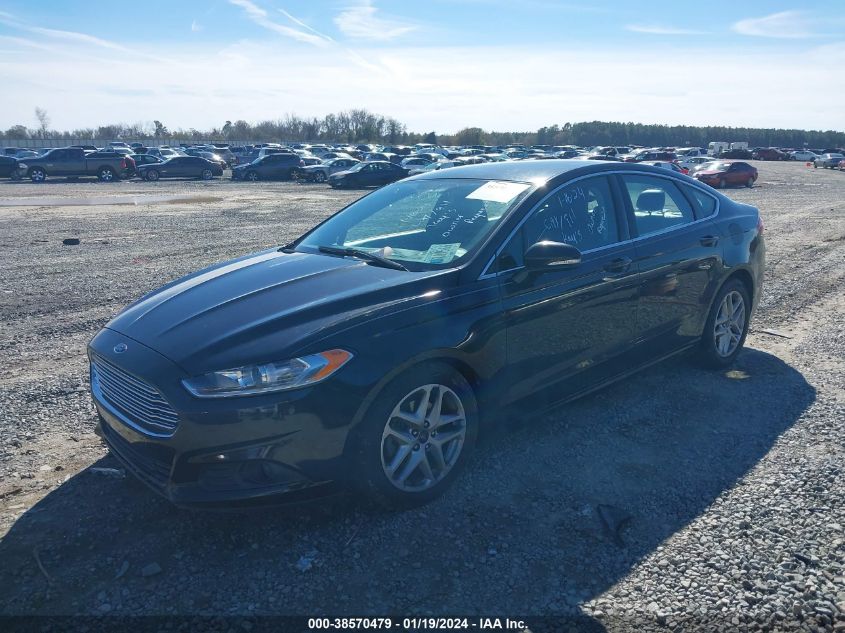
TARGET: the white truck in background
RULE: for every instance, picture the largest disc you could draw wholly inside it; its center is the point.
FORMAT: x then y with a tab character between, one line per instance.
714	148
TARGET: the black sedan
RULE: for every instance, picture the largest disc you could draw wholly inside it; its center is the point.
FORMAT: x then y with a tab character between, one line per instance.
376	347
269	167
181	167
368	174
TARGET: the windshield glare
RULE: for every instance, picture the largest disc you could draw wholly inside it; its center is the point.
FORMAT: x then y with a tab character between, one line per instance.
426	223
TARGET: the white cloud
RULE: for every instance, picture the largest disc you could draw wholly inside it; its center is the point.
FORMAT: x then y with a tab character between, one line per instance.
82	38
67	36
786	24
196	27
659	29
260	17
361	22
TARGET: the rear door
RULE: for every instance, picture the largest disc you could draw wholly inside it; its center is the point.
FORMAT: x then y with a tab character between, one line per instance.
570	329
678	253
57	162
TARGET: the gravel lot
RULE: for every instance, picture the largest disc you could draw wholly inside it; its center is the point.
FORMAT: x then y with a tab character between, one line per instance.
679	499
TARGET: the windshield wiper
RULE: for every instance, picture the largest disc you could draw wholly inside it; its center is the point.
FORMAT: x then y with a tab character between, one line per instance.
362	254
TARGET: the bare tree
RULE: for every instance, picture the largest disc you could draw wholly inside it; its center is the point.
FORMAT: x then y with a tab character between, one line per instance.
43	121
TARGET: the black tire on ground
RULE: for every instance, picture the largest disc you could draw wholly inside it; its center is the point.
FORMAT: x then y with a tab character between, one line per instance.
106	174
707	352
207	174
320	176
723	183
366	449
36	174
252	176
152	175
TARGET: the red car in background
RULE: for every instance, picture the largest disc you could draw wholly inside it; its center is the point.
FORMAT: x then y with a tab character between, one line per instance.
722	173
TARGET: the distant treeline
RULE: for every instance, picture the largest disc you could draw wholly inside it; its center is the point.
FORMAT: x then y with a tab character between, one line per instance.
362	126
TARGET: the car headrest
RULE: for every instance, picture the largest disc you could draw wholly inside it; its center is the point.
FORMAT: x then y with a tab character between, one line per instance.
651	200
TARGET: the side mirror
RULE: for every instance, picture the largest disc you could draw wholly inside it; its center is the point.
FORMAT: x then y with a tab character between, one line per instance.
548	255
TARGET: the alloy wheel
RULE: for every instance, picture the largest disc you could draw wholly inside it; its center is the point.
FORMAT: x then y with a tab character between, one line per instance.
423	438
320	177
730	324
207	175
252	176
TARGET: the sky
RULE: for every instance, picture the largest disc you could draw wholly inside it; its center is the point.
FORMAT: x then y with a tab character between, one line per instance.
435	65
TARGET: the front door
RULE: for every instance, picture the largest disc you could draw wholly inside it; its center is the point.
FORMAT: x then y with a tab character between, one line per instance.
568	330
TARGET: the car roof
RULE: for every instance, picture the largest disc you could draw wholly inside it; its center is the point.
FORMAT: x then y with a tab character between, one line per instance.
534	171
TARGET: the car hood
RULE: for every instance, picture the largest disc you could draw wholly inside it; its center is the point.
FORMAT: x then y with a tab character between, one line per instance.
263	307
315	167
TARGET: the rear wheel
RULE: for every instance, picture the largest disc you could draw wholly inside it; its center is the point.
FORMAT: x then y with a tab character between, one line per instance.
750	183
416	436
207	174
107	174
36	174
727	326
152	175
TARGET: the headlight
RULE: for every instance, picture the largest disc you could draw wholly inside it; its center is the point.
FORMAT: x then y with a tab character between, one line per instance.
22	166
268	377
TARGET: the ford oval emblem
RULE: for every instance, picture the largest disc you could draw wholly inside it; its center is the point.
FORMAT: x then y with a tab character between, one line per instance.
120	348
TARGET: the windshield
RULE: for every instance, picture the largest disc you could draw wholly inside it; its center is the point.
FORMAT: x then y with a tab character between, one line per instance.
424	223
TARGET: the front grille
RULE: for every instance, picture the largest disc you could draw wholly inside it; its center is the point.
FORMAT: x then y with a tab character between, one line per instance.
140	404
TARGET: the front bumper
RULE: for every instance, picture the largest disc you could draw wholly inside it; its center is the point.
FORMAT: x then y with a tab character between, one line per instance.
227	452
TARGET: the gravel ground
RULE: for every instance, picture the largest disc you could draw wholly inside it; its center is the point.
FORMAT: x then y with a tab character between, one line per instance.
678	499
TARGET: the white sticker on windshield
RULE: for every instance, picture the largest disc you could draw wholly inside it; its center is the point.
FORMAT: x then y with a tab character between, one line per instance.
497	191
441	253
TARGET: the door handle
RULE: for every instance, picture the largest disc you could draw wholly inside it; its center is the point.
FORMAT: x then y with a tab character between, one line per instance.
709	240
618	265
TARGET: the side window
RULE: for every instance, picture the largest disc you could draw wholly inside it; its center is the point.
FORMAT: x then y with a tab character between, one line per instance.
658	203
705	203
581	214
59	155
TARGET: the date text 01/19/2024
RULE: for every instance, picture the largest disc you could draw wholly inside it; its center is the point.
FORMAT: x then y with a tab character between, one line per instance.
410	624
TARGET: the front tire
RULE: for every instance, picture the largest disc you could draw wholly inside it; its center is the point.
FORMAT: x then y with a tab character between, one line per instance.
207	174
416	436
320	176
726	327
252	176
750	183
152	175
36	174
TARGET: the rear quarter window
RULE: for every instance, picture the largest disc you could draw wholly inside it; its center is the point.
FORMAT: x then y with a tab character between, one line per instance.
705	204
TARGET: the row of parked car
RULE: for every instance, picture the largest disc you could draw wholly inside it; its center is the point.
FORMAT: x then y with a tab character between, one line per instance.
347	165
